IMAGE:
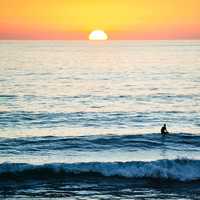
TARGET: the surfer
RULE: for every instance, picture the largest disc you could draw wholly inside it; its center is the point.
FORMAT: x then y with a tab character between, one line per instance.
164	130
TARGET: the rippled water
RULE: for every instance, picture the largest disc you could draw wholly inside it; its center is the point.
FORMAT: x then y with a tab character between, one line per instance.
100	106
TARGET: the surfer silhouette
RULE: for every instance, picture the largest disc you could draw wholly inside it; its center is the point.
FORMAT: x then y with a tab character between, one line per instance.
164	130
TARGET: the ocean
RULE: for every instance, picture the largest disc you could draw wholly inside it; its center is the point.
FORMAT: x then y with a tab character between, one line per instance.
81	120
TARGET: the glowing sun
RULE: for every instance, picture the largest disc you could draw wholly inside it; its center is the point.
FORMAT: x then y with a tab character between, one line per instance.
98	35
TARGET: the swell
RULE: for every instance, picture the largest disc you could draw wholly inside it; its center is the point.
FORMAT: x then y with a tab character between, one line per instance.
183	170
25	119
177	142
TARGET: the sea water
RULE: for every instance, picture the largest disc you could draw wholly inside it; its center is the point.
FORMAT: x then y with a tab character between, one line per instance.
82	119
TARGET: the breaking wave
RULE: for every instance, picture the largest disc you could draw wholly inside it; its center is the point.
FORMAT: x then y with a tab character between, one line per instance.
177	170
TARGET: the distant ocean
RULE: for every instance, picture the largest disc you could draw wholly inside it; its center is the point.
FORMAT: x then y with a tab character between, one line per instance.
81	120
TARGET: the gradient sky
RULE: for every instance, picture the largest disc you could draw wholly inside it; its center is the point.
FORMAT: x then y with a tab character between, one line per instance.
121	19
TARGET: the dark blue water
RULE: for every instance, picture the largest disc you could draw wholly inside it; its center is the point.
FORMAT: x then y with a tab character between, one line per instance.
132	166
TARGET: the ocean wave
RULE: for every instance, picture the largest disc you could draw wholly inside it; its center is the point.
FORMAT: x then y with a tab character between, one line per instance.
177	170
93	119
177	142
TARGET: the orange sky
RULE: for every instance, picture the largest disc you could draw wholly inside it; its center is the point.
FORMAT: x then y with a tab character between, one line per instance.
121	19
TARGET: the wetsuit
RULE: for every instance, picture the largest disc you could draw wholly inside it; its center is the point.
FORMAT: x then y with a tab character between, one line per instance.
163	130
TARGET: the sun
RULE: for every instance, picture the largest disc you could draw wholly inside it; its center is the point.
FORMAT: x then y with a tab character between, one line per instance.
98	35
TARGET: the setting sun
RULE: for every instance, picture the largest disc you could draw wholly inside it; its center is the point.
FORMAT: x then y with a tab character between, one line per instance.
98	35
122	19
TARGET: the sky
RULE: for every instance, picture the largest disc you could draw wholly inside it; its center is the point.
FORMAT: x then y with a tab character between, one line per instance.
120	19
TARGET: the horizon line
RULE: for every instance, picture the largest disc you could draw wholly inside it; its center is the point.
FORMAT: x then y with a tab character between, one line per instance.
175	39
